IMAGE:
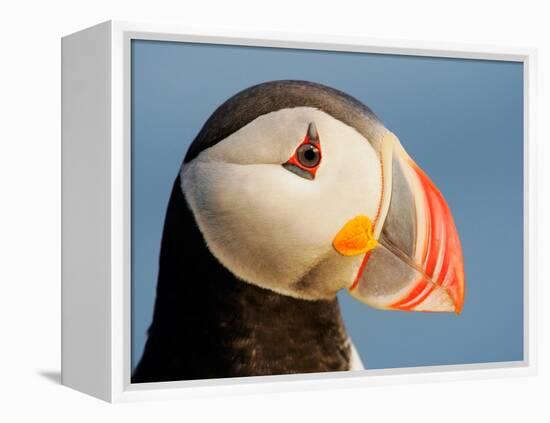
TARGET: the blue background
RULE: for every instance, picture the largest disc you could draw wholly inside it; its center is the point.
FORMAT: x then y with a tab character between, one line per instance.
461	121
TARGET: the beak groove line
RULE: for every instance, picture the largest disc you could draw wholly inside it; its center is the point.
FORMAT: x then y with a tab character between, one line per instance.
442	255
419	270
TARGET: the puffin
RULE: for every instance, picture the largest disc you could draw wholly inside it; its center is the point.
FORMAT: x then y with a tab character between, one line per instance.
290	192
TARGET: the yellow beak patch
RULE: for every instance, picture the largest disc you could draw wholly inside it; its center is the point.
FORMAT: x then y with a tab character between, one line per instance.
355	237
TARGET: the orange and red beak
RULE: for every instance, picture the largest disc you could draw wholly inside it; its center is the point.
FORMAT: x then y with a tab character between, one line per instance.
411	253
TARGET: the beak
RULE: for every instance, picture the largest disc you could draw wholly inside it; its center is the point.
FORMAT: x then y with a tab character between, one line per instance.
412	257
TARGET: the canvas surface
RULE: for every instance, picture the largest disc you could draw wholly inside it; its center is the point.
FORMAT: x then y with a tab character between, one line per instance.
461	120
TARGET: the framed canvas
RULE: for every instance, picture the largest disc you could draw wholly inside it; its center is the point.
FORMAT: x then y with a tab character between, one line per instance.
269	212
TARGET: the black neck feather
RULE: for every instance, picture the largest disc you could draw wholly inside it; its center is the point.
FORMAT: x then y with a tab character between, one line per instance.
208	324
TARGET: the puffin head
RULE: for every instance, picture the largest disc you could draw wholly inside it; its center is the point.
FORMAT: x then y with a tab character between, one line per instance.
300	189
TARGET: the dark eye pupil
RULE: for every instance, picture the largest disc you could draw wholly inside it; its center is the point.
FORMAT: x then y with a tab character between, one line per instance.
308	155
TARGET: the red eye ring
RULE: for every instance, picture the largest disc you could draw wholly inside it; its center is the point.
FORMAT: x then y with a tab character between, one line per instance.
307	157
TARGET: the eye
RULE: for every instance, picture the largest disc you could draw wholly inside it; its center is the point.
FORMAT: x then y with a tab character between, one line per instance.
307	157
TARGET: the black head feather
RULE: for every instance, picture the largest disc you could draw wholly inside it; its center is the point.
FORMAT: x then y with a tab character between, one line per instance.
267	97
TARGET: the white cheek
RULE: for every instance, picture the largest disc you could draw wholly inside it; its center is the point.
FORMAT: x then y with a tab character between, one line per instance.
266	224
269	139
350	174
250	223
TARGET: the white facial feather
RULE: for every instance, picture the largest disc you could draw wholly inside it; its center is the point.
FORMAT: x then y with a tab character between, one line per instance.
355	360
271	227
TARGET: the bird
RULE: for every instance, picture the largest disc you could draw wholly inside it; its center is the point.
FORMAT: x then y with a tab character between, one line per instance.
290	192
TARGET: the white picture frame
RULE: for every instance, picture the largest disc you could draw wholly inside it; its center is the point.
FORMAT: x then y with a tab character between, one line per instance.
96	213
